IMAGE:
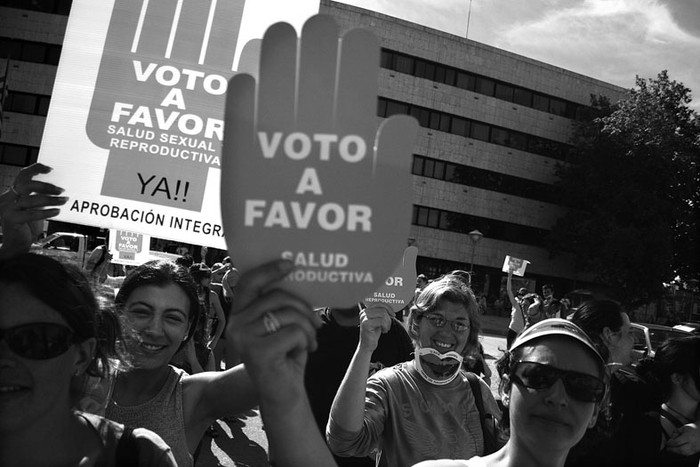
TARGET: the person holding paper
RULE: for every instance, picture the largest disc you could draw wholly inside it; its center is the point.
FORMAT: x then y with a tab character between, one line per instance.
421	409
337	339
517	314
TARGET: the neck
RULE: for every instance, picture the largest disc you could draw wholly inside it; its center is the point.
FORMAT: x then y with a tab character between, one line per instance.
137	385
518	453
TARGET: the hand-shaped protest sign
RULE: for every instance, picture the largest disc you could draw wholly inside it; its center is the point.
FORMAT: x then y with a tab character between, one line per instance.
398	289
163	126
306	174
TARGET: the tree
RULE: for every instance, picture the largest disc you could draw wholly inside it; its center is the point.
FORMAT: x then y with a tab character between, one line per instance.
633	187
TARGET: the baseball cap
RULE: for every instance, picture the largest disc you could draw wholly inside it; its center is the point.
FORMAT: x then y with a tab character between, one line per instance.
555	327
522	291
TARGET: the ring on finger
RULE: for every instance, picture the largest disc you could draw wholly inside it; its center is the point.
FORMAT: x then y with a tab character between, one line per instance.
271	323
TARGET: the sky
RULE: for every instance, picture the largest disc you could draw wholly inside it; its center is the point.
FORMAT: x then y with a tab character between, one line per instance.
611	40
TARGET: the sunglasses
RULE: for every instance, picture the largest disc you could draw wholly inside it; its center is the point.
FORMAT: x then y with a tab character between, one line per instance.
38	341
439	321
580	386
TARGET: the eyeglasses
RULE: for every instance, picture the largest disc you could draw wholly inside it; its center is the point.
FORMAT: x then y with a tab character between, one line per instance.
38	341
439	321
580	386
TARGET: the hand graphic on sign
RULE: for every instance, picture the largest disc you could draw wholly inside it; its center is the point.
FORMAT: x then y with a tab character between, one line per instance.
163	123
306	174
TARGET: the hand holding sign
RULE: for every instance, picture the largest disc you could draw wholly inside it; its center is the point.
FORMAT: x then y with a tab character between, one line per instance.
306	175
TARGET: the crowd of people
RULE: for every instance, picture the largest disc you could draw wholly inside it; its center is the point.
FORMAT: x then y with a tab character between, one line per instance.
135	379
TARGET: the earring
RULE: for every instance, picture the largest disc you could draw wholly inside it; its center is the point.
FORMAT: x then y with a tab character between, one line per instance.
505	400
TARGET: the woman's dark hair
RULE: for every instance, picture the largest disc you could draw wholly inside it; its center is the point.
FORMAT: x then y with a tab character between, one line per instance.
446	289
161	273
595	315
65	289
677	355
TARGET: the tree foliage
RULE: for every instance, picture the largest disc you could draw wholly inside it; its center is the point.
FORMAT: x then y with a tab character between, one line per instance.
634	190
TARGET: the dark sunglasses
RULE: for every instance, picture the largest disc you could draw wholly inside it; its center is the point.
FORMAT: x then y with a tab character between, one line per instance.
580	386
38	341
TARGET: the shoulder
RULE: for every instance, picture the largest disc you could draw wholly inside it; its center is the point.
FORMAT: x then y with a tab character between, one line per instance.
177	373
390	374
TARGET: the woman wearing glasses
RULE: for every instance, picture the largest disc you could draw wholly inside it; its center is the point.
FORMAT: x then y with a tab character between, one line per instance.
53	335
553	385
421	409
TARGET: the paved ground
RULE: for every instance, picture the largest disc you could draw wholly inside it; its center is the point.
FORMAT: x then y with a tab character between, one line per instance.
241	441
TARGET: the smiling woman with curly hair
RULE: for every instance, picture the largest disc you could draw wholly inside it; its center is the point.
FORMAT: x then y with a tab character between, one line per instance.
424	408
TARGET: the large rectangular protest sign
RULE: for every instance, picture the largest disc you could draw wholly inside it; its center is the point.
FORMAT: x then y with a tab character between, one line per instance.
135	127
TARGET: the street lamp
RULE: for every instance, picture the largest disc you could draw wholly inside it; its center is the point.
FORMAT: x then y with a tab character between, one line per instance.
475	236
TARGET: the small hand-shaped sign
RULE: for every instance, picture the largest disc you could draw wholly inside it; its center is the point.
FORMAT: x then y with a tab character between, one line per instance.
398	289
306	174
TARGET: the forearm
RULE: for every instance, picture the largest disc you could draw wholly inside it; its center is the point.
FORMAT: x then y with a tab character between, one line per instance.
348	406
509	289
292	434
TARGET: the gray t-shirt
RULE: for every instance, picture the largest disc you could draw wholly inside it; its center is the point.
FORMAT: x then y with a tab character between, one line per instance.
411	420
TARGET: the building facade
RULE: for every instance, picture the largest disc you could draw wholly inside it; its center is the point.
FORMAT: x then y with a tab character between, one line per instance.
493	128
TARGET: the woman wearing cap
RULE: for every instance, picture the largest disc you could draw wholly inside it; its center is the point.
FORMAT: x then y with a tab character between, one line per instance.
421	409
553	385
53	335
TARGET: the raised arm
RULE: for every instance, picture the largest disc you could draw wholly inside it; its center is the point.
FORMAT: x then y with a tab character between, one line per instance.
273	331
509	288
347	411
24	207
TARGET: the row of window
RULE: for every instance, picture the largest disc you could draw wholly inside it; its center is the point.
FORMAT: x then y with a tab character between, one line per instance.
465	223
19	155
29	51
486	179
408	64
474	129
56	7
27	103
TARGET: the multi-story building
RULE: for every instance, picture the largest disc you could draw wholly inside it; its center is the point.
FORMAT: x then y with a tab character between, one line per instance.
494	125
